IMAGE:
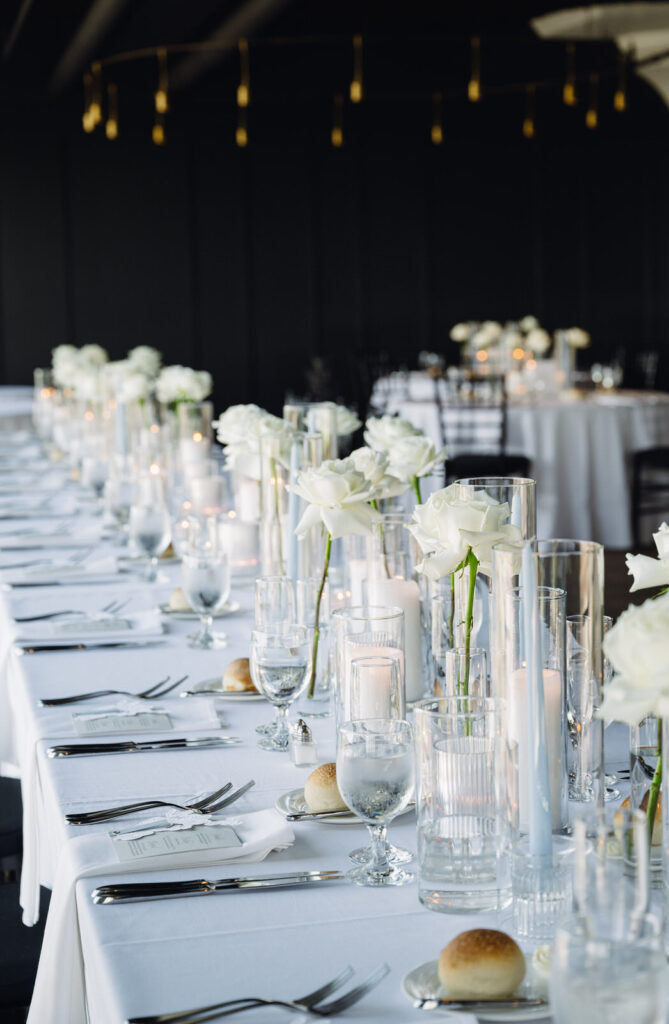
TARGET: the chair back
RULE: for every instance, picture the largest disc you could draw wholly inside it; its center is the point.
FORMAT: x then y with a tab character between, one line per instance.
472	415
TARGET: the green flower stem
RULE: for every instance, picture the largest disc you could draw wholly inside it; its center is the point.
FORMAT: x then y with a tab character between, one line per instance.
277	513
375	505
654	791
415	483
317	632
472	563
451	614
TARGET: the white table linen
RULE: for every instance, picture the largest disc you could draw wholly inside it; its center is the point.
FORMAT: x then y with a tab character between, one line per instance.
580	450
173	954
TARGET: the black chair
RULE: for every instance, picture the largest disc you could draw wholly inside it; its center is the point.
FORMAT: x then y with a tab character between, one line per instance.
473	419
19	954
11	817
650	488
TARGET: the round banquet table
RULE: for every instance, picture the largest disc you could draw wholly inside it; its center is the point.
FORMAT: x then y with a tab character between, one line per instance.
144	958
580	449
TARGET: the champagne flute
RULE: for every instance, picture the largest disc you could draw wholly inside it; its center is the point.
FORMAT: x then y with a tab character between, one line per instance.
280	662
205	579
149	521
375	775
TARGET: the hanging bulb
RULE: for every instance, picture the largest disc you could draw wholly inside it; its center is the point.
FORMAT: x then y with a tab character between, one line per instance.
241	132
620	95
569	96
111	124
437	129
355	91
244	88
160	97
474	84
337	133
529	129
591	117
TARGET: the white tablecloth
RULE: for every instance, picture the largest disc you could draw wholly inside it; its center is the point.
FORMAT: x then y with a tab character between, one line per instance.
16	408
580	451
168	955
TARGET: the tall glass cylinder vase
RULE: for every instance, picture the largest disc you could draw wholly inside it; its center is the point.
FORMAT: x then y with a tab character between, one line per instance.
194	421
511	681
315	418
362	632
645	760
664	808
282	457
518	493
392	581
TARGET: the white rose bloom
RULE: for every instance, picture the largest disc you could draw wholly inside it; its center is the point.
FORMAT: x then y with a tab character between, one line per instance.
338	496
347	421
64	354
651	572
446	526
385	431
93	355
240	428
135	387
414	456
488	334
538	341
513	339
182	384
237	422
65	372
374	466
89	386
145	359
577	337
638	648
460	332
528	323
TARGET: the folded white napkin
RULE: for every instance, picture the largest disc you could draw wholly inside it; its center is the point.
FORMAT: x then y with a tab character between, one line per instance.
101	570
59	993
96	628
56	725
29	539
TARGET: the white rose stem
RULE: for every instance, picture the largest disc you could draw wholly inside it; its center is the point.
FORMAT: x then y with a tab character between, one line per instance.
403	594
641	879
121	441
317	632
293	514
540	833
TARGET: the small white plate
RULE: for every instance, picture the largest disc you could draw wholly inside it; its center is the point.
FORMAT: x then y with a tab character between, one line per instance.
229	608
423	983
293	802
215	687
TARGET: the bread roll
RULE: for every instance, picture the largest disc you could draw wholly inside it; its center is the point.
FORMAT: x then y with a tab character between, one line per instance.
321	791
178	602
168	552
656	838
481	964
237	677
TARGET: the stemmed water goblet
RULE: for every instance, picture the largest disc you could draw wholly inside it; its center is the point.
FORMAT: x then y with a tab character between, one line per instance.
149	521
375	775
205	579
273	604
280	661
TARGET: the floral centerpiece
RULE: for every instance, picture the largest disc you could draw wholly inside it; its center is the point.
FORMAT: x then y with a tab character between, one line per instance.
411	455
176	384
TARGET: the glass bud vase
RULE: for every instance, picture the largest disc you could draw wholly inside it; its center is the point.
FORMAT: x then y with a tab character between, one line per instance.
645	754
664	811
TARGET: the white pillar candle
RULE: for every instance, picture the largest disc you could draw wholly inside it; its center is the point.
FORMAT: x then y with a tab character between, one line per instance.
194	449
379	691
247	498
519	734
240	542
357	575
206	494
404	594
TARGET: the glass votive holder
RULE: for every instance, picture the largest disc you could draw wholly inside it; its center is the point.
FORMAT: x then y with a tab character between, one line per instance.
308	595
376	688
542	888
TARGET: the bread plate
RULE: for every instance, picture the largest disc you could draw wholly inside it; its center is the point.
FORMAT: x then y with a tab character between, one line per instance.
229	608
215	687
423	983
293	802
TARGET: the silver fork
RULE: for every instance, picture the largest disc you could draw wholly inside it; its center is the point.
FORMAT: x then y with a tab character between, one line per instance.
308	1004
209	809
152	693
90	817
113	608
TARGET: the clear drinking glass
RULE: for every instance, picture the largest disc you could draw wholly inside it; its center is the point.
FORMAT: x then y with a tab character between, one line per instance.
464	672
118	501
280	658
375	775
205	579
149	521
274	605
597	978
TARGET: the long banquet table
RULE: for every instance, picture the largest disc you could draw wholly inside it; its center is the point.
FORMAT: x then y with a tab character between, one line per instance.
580	448
170	955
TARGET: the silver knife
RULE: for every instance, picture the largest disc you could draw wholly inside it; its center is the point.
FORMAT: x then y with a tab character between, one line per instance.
136	892
39	648
512	1003
306	815
133	746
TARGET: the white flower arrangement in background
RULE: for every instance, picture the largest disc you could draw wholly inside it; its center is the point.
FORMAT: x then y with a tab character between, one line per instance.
382	432
177	384
239	430
577	337
528	323
460	332
651	572
145	359
69	362
538	341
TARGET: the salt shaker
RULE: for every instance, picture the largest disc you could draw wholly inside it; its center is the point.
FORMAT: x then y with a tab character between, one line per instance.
302	744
